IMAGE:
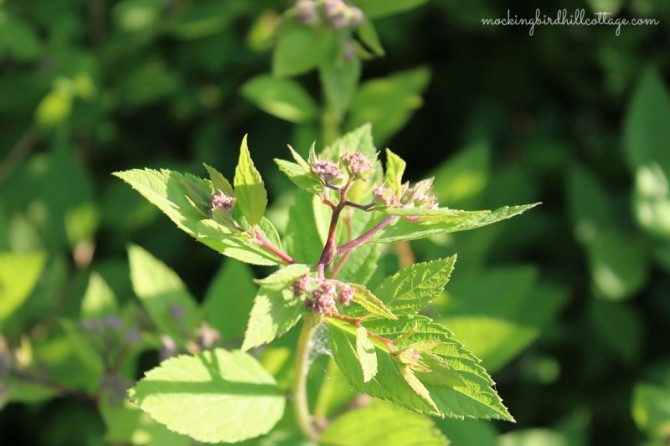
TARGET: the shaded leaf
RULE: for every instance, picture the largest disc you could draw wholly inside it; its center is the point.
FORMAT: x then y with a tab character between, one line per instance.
163	295
382	424
273	314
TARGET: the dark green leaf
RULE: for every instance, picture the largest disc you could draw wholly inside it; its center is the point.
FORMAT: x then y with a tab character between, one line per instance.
283	98
339	79
380	8
300	50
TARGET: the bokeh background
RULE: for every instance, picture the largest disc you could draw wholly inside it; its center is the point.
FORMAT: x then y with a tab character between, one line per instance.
568	305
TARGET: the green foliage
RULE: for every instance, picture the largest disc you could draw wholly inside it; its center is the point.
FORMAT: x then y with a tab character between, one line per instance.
578	294
231	387
381	424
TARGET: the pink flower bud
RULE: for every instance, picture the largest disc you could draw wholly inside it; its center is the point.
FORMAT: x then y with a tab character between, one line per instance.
221	201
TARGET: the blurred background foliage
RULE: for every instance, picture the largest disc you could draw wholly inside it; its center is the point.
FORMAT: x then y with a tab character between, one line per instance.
568	306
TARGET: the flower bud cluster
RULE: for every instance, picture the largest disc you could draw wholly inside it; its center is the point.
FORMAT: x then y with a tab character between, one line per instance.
338	14
221	201
352	166
420	196
357	164
321	295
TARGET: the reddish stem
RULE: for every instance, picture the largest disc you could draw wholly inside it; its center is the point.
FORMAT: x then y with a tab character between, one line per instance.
366	236
265	243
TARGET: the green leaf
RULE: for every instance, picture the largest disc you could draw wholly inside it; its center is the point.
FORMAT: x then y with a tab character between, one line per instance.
219	181
651	200
229	300
380	8
435	223
388	103
619	326
367	356
99	299
464	176
249	188
284	277
368	35
494	340
651	410
238	396
416	286
84	349
366	299
273	314
299	50
284	98
619	265
646	130
302	238
339	78
185	198
382	424
473	396
235	244
395	168
126	424
18	276
590	205
163	295
305	179
357	140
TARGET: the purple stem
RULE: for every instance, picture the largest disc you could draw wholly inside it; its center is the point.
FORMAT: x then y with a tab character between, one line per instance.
366	236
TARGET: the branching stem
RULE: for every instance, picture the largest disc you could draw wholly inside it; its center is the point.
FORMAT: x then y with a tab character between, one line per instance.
366	236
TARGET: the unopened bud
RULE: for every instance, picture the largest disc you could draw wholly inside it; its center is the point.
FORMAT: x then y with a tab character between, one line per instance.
323	298
301	286
386	196
306	12
357	164
346	294
328	171
221	201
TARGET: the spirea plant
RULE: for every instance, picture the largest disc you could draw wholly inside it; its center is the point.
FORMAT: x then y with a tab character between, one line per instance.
349	206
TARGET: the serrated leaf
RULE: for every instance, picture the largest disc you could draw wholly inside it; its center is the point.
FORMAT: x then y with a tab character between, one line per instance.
273	314
440	224
416	286
284	277
229	300
99	299
367	356
219	181
473	397
163	295
366	299
395	168
283	98
18	275
304	179
252	198
239	397
382	424
185	198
